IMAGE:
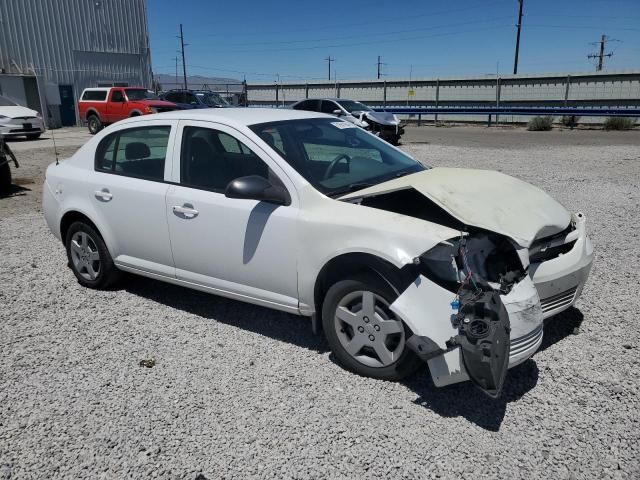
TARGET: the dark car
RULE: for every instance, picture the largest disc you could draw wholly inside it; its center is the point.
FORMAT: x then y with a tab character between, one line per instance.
189	99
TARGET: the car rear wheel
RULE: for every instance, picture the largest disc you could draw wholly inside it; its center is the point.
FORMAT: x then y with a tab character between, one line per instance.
364	335
94	124
89	258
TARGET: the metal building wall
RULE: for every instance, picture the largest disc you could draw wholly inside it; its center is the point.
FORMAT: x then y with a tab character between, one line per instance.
611	88
76	42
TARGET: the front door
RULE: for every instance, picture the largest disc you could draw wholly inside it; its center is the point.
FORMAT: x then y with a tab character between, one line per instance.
67	106
239	248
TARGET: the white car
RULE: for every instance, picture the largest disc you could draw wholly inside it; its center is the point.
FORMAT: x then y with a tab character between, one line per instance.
399	264
18	121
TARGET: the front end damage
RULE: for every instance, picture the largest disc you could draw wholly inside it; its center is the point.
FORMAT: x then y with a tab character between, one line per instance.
520	257
382	124
473	309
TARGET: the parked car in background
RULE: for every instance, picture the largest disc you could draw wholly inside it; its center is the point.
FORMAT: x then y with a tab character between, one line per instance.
189	99
299	211
385	125
18	121
103	106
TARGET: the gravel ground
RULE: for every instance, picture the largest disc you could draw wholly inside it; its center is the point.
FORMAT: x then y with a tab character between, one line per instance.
238	391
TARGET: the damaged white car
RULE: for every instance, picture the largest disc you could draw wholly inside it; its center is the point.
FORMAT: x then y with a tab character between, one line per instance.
398	263
382	124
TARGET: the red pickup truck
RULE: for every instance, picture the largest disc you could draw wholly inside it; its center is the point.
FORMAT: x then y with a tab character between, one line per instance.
102	106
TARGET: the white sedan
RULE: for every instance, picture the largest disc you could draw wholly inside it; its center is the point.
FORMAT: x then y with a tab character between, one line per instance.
399	264
18	121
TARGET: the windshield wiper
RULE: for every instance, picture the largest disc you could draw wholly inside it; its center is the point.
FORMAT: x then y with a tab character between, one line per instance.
352	187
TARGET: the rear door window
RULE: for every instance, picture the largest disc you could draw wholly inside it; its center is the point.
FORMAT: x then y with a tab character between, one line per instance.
135	152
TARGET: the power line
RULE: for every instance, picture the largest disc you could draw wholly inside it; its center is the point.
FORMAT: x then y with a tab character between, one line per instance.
364	34
368	42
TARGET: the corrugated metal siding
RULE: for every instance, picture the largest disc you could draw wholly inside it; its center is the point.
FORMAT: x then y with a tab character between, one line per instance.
76	42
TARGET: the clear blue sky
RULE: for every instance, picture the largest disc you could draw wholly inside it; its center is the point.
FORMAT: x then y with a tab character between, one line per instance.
428	37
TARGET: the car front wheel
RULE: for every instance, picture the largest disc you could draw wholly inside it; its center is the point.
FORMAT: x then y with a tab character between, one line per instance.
362	331
89	258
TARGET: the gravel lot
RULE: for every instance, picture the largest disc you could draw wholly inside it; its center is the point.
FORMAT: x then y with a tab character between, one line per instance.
238	391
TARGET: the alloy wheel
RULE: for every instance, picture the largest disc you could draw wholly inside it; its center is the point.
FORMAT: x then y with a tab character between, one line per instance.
368	330
85	256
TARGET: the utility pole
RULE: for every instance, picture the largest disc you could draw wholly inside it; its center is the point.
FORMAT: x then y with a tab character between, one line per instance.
600	56
519	25
380	65
184	63
329	60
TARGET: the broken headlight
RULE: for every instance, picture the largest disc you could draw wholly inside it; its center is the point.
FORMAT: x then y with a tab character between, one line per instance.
486	258
441	266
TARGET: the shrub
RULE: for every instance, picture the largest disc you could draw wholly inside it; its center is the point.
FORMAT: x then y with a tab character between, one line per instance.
538	124
570	120
619	123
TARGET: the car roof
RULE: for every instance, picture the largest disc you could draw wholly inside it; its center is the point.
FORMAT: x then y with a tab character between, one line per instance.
243	116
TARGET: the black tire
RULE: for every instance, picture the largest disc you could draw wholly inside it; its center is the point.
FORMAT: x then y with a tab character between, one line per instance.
407	362
33	136
5	178
108	273
94	124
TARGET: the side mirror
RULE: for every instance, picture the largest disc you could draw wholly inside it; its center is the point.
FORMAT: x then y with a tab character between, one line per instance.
255	187
337	111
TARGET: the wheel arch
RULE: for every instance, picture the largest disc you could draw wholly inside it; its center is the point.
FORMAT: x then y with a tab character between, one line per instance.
353	263
75	216
91	111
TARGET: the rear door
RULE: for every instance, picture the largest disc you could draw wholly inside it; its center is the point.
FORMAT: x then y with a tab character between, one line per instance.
128	190
236	247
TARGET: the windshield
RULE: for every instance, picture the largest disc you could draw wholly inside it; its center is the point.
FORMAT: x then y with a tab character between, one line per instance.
212	99
140	94
351	106
336	157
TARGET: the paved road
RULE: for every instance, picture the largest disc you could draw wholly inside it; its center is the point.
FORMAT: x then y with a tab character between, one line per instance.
516	137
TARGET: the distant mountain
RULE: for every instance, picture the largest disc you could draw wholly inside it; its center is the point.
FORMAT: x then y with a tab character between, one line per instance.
167	82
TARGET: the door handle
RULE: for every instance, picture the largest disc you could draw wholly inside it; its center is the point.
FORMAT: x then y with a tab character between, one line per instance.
185	211
103	195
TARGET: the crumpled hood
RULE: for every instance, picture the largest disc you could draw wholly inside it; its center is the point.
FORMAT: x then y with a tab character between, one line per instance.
484	199
383	118
14	111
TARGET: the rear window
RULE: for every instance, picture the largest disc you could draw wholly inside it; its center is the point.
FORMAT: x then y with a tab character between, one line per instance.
136	152
97	95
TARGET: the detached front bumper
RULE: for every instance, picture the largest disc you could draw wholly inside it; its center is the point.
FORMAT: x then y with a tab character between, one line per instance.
560	280
426	308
